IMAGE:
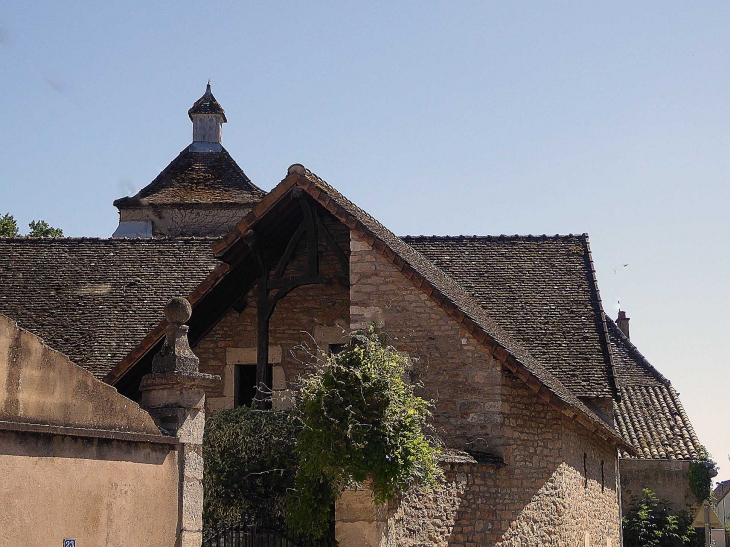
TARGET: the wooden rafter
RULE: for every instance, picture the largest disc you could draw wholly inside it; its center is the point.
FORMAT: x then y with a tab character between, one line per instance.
270	289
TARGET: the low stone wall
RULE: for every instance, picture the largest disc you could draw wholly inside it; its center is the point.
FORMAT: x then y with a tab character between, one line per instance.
668	479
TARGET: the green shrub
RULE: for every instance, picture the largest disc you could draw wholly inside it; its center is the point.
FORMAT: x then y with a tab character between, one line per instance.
249	464
649	523
360	421
700	474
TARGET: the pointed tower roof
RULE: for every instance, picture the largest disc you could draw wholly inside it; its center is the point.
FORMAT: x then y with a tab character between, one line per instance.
204	172
198	177
207	105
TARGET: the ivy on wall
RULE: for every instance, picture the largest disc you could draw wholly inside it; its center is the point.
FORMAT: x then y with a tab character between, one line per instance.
356	419
700	474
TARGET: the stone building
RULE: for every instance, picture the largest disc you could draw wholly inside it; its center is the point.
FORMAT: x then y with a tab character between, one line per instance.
651	417
202	191
537	393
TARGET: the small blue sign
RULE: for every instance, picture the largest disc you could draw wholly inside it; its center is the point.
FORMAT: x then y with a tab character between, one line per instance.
69	543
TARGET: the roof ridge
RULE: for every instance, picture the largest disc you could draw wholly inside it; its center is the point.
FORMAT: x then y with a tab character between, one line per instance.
496	237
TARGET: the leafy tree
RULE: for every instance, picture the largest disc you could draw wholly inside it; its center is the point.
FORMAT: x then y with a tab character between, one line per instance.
361	422
8	226
649	523
40	228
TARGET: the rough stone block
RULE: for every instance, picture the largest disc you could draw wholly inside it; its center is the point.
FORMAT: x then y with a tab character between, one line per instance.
214	404
279	378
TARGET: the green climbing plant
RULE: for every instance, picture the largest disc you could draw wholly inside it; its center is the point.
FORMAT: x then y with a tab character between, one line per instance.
700	474
361	421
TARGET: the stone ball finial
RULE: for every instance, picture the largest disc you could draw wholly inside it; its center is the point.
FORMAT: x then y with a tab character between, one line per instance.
178	310
297	168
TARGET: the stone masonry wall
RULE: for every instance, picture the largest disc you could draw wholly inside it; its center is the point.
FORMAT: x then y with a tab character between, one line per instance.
181	220
668	479
457	372
311	314
544	495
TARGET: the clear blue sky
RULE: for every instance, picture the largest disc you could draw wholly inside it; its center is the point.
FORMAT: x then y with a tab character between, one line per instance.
435	117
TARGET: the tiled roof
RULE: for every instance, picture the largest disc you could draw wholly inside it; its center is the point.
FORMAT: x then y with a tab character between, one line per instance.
96	299
721	490
649	414
431	279
542	290
197	177
207	105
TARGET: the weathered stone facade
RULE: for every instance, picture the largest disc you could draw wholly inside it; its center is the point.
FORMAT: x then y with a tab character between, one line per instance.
558	485
668	479
186	219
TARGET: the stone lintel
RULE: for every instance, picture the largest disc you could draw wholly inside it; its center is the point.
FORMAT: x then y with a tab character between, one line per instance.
247	356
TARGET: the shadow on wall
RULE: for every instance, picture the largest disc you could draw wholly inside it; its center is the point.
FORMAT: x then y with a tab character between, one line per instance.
31	445
472	507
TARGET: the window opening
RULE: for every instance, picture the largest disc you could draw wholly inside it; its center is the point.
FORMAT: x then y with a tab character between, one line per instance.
585	469
245	385
603	478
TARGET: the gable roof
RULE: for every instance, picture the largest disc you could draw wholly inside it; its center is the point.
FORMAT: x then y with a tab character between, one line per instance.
95	299
197	178
444	290
542	289
649	414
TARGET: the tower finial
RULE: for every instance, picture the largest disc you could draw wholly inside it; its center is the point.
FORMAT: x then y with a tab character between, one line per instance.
207	88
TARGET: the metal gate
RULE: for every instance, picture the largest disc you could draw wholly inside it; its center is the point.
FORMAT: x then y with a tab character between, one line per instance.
242	534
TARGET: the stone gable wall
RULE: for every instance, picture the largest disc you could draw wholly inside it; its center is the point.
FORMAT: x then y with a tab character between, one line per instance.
541	496
457	372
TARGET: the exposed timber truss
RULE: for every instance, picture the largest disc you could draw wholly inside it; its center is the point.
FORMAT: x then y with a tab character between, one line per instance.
272	285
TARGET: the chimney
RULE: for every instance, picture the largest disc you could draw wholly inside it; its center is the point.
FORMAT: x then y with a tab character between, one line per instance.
623	323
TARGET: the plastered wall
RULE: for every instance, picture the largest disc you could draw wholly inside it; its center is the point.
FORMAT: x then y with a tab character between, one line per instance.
77	460
99	492
181	220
